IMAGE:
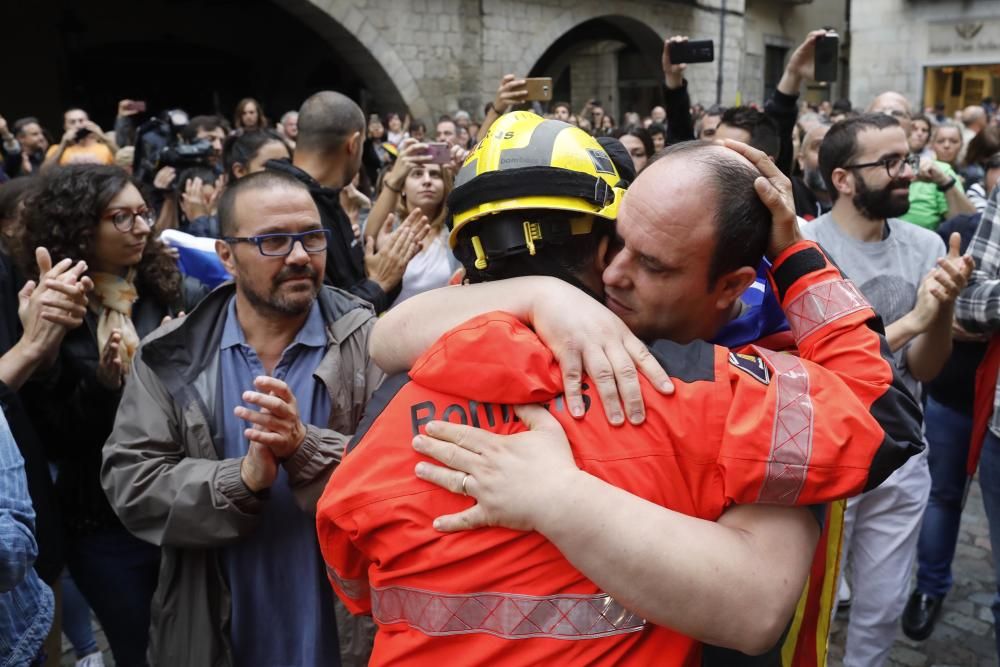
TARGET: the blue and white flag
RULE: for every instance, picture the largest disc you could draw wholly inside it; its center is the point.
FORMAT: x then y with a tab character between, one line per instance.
197	257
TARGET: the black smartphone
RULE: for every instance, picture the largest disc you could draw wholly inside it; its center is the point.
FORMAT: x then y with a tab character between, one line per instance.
827	54
697	51
82	133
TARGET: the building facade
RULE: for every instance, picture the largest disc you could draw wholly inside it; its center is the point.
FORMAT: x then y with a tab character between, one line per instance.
942	51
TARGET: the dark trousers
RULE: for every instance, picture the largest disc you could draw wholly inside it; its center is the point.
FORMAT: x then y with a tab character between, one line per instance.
948	432
117	573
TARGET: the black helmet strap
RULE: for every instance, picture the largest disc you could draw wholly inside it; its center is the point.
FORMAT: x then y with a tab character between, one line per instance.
529	182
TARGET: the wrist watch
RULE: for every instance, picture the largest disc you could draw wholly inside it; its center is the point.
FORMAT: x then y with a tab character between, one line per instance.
949	185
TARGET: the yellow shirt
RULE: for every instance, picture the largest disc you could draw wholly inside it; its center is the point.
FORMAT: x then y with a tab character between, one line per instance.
96	153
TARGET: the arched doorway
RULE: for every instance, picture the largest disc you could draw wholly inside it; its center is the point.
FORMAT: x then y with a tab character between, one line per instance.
614	59
200	55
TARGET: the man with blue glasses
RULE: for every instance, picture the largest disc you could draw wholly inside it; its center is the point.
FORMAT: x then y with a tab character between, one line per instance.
230	425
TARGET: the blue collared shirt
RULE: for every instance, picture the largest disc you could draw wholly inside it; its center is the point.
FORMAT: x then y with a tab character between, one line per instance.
282	605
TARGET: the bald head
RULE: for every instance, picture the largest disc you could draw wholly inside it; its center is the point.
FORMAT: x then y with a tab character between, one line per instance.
326	120
974	117
893	104
888	101
742	221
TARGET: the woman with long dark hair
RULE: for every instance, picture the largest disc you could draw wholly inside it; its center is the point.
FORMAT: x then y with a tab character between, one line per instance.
95	214
249	116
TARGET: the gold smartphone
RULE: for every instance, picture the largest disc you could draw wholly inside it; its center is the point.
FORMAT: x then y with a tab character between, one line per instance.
539	89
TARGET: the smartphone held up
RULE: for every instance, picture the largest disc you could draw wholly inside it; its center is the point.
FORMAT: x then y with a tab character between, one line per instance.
692	51
827	54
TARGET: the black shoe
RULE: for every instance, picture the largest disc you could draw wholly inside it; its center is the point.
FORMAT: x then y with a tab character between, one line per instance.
920	615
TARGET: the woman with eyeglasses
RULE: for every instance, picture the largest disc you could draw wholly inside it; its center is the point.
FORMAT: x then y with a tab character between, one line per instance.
95	214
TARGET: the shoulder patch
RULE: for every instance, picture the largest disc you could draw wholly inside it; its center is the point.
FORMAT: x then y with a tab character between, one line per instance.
752	366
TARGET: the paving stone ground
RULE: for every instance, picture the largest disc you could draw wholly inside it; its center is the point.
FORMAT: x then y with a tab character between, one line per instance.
963	636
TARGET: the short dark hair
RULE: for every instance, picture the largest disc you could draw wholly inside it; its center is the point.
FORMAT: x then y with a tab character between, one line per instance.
840	146
843	105
22	123
206	174
243	148
564	105
742	221
262	180
565	260
326	120
763	130
657	128
208	123
417	125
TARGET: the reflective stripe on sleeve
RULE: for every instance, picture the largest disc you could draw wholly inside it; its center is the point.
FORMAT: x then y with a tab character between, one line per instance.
352	588
792	433
821	304
504	615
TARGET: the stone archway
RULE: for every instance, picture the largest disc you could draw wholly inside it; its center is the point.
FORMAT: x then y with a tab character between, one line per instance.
357	40
613	58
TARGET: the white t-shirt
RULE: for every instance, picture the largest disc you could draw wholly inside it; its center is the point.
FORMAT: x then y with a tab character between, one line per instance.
431	268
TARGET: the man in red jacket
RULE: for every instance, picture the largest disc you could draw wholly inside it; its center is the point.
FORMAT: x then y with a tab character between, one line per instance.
751	428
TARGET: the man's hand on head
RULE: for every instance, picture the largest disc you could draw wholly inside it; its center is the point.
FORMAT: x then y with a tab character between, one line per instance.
276	425
775	190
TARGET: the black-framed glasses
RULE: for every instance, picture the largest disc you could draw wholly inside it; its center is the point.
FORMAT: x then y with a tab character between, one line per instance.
281	244
124	218
893	165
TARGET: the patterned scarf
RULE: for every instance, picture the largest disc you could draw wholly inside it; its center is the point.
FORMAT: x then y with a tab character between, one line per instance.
113	299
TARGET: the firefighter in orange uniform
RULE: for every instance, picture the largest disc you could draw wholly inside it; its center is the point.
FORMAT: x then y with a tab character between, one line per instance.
740	428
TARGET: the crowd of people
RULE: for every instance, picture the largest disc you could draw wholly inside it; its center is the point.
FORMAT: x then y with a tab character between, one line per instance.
354	389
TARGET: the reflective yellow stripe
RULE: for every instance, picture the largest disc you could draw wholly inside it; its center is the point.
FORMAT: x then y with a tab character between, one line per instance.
792	638
827	602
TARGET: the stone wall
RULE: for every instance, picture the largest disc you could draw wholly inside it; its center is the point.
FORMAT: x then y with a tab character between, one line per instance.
893	40
436	56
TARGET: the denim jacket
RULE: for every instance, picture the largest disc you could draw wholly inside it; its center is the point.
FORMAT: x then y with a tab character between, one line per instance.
26	604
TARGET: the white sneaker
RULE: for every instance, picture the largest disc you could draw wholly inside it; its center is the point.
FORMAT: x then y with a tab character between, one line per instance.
843	595
95	659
